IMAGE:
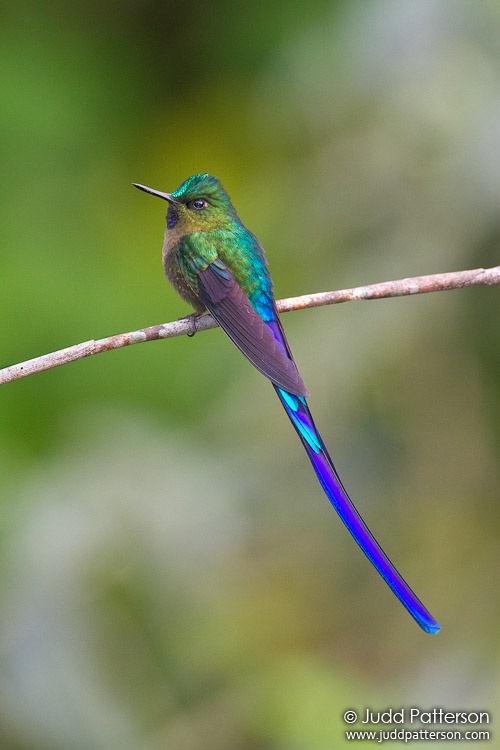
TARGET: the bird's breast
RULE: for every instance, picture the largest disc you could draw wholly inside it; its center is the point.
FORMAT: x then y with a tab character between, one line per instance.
174	272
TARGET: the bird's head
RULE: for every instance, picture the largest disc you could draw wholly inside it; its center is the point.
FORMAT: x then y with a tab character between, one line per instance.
198	205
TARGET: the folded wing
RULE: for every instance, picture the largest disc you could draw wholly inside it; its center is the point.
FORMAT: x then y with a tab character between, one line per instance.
231	308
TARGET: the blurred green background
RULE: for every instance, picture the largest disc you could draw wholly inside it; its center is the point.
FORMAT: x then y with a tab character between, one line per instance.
171	575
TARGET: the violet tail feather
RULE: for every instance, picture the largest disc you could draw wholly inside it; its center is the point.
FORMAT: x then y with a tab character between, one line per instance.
301	418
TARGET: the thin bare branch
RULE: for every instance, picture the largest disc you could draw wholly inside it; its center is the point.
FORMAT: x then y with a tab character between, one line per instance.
417	285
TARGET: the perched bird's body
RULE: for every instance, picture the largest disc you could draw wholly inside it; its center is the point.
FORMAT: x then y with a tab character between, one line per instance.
228	240
216	264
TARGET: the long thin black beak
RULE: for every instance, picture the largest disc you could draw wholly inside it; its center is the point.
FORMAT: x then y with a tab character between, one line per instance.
165	196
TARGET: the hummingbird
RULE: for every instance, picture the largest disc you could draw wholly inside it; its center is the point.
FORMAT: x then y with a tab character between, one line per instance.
218	266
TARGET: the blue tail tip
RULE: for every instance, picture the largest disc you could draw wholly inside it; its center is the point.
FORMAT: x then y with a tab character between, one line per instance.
431	626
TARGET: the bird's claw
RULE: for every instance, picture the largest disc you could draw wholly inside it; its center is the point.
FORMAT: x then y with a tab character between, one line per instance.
192	318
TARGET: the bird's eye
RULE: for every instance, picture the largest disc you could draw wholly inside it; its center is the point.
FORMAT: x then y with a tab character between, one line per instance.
198	204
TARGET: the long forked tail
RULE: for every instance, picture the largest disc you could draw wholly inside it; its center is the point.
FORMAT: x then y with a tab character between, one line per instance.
301	418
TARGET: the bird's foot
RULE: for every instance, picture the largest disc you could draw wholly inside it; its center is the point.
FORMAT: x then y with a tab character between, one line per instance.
192	318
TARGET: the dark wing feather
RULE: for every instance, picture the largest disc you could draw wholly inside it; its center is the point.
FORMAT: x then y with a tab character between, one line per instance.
231	308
